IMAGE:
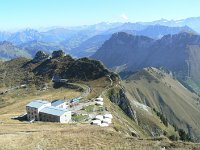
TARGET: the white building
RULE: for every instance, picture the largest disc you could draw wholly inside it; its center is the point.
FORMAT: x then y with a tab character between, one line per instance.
96	122
107	120
99	117
104	124
34	107
39	110
99	103
102	121
100	99
55	114
108	116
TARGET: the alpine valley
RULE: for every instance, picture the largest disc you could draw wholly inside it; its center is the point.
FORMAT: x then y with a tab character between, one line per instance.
126	86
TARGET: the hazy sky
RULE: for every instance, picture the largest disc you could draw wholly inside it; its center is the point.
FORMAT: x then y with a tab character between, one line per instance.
44	13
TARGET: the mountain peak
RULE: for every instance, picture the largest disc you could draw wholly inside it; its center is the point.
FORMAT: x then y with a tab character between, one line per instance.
5	43
121	34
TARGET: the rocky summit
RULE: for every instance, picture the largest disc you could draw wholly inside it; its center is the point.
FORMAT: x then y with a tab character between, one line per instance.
59	53
47	66
40	56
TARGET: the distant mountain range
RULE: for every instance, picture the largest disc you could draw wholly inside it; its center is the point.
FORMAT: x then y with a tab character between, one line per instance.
33	46
193	22
179	53
83	41
90	46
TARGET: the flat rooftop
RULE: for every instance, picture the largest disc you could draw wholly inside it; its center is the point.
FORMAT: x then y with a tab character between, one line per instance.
37	103
54	110
57	102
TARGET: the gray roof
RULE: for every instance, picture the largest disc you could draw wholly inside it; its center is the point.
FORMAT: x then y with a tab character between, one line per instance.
54	111
37	103
57	102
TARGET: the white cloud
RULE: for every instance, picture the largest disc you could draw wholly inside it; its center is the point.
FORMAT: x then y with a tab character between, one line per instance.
124	16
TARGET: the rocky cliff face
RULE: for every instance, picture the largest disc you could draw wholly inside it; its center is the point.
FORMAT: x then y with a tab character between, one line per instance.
140	113
120	99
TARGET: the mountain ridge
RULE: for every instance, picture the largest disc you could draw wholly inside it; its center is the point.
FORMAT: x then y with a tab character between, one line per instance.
9	51
177	53
160	91
82	42
29	71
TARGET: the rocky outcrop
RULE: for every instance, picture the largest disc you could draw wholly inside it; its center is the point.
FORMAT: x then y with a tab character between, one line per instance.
74	69
40	56
59	53
43	68
119	98
85	69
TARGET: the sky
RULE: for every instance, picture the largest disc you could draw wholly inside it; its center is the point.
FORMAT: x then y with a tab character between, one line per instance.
16	14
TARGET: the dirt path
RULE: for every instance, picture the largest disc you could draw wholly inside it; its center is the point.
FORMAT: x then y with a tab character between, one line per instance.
108	87
87	89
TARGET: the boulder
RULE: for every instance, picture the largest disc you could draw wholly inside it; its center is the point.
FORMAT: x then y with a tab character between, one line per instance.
40	56
59	53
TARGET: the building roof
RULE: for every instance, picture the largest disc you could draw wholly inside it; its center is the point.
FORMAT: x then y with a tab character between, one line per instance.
108	116
99	117
57	102
99	99
37	103
54	111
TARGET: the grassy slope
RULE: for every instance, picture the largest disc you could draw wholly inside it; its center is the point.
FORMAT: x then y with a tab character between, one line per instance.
147	120
11	72
22	135
167	95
